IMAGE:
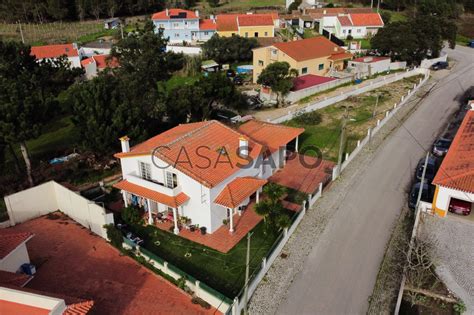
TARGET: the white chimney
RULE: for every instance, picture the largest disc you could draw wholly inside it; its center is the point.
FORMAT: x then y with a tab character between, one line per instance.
124	141
167	12
324	11
197	13
243	147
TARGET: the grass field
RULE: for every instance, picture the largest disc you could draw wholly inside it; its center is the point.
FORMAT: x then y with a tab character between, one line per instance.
326	135
57	32
222	272
242	5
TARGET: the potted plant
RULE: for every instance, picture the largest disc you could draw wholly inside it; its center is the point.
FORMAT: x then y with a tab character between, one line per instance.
203	230
225	221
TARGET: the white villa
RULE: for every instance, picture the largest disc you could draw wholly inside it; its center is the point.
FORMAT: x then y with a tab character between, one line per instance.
205	172
357	25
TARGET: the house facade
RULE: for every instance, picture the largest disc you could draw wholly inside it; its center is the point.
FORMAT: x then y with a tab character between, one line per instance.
455	178
357	25
316	56
369	65
97	63
205	172
183	25
51	52
247	25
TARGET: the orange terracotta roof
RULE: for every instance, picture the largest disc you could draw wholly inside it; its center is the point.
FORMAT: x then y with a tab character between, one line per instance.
80	308
173	12
310	48
366	19
87	61
13	308
227	22
235	192
54	51
104	61
344	20
170	201
205	151
207	24
255	20
14	279
341	56
457	168
271	135
9	241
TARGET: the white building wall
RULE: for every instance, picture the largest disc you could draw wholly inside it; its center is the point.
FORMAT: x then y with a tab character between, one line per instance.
445	194
15	259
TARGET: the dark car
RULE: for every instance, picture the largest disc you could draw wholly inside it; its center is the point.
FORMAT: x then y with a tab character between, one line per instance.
431	169
440	65
460	207
426	194
230	73
441	146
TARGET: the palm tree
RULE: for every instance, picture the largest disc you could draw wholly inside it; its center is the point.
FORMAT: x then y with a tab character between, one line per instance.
271	208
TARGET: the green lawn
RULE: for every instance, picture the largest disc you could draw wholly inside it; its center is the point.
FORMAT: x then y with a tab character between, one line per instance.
179	80
222	272
462	40
326	135
396	16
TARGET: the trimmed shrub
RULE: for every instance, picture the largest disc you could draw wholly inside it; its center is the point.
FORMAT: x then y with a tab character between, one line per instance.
311	118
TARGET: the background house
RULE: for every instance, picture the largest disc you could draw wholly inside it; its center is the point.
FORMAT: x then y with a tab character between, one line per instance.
315	55
455	178
369	65
183	25
71	51
247	25
357	25
97	63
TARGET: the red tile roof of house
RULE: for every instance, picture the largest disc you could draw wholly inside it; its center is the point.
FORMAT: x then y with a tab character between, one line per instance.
341	56
171	201
80	308
104	61
207	24
369	59
308	80
209	151
273	136
255	20
227	22
54	51
366	19
235	192
13	279
457	169
166	15
310	48
9	241
344	20
12	308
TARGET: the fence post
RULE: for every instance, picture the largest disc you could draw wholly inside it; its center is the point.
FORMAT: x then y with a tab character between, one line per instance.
347	156
285	231
334	173
198	288
387	113
403	98
395	106
358	143
264	263
378	122
165	267
235	307
320	192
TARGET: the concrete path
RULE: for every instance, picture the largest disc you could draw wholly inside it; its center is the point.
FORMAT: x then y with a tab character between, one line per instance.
334	257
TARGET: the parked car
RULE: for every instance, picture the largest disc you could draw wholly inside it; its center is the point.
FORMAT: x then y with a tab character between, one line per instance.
441	146
471	43
440	65
230	73
254	102
460	207
426	194
431	169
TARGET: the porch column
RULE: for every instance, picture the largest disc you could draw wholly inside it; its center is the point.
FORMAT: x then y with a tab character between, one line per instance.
296	145
175	219
257	199
231	229
125	201
150	219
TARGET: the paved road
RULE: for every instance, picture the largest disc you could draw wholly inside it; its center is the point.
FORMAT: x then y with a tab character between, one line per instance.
339	274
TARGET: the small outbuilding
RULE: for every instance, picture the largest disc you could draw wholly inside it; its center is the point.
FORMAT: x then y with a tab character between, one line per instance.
111	24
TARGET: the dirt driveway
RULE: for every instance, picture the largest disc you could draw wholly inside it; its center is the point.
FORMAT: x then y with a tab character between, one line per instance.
72	261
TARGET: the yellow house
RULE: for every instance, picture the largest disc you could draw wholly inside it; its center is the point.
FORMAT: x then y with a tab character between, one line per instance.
246	25
454	180
316	55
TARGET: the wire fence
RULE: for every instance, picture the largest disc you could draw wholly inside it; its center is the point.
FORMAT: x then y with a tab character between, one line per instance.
49	33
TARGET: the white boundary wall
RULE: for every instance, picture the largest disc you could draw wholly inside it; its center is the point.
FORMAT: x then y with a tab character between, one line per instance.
187	50
427	63
356	91
51	196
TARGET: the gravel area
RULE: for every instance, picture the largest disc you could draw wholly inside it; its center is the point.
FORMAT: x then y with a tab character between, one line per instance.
276	283
454	254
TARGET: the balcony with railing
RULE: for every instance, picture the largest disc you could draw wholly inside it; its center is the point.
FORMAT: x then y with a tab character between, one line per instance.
153	185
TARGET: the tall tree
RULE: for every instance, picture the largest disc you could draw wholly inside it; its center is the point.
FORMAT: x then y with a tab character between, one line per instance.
229	49
279	77
271	208
28	92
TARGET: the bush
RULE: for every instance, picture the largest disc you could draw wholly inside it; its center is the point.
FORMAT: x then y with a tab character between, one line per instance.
131	215
349	37
197	300
114	235
311	118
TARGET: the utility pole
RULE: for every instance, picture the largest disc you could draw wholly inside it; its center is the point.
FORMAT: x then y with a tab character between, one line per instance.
371	4
375	106
247	272
378	6
21	33
342	140
420	191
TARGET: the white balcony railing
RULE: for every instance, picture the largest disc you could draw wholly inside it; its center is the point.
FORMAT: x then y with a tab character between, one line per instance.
158	187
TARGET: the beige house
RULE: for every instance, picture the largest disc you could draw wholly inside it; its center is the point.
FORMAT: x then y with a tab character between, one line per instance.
316	55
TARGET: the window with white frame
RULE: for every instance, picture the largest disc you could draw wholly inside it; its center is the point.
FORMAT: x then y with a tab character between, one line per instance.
145	170
171	180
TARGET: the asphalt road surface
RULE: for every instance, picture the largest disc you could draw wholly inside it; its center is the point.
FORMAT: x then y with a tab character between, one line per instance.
340	272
